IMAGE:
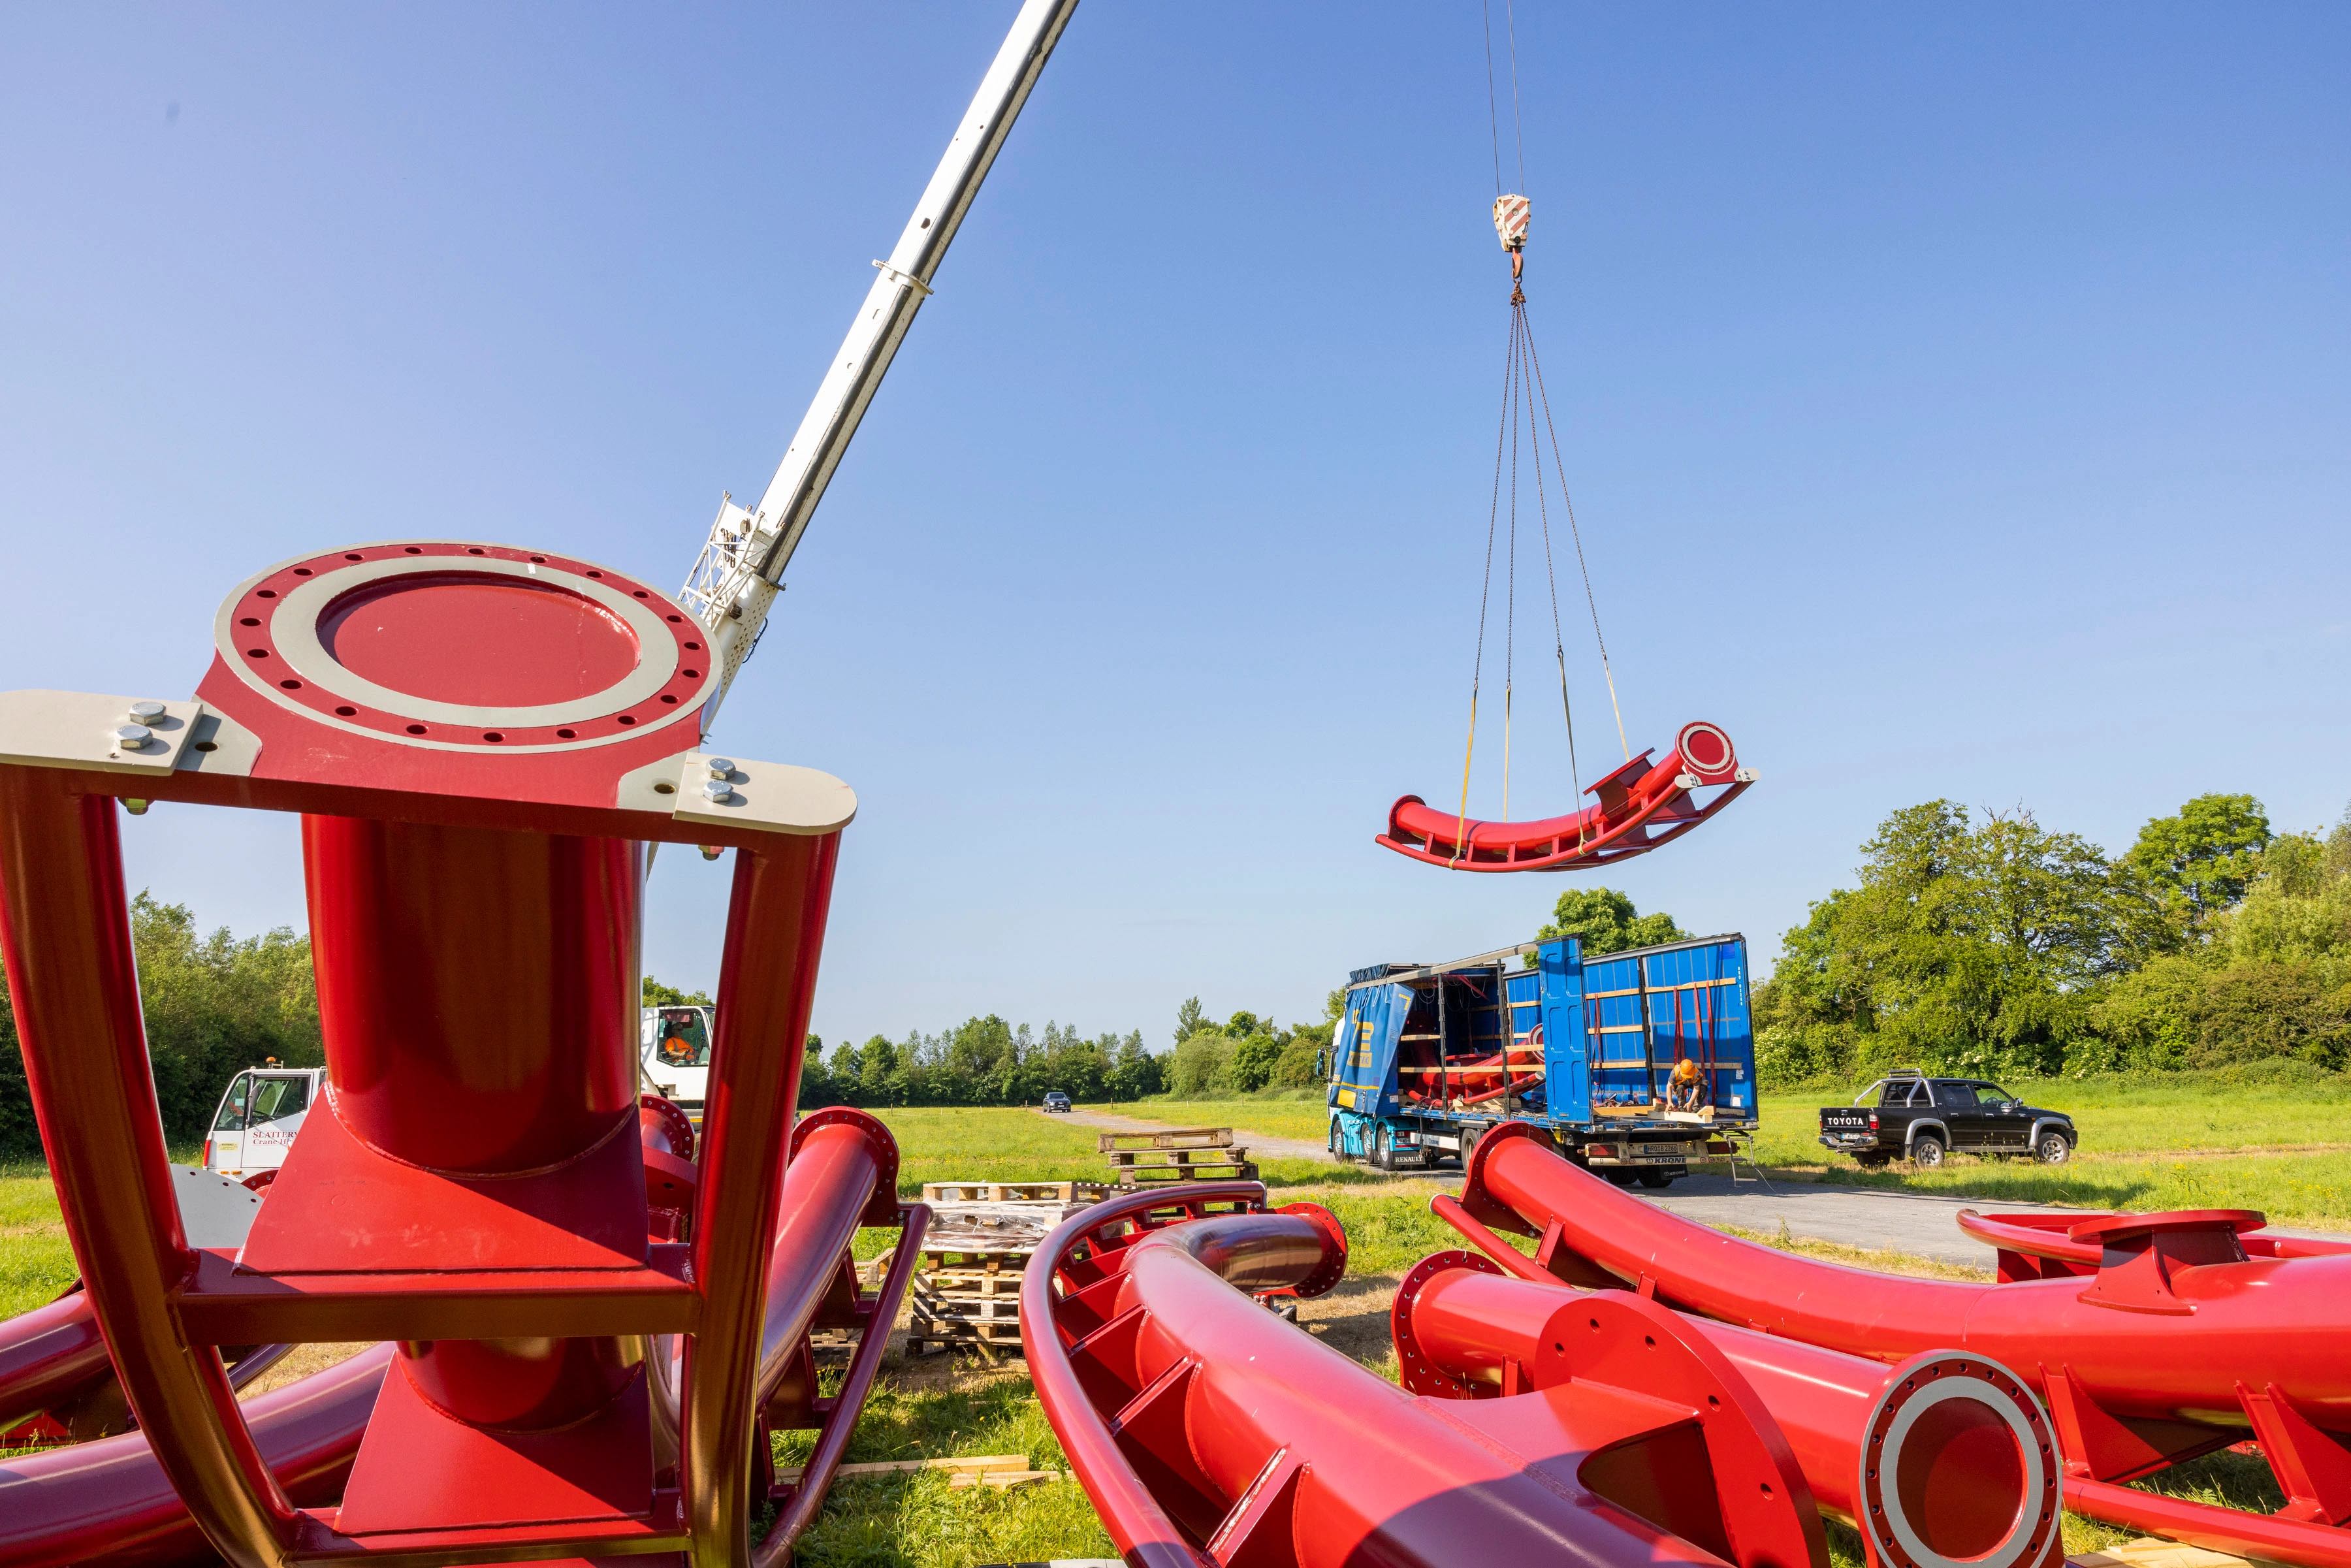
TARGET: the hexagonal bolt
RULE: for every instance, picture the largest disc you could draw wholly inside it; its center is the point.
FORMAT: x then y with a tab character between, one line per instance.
717	789
131	737
721	767
146	712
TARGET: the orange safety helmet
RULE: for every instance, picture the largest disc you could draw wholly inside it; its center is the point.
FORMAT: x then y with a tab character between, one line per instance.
1684	1071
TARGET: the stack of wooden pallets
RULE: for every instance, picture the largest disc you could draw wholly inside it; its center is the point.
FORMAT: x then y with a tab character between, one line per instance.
1176	1153
967	1287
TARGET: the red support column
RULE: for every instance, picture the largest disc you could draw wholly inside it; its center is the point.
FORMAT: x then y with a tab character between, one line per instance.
65	930
766	986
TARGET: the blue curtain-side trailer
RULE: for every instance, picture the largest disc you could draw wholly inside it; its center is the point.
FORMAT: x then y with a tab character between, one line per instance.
1427	1056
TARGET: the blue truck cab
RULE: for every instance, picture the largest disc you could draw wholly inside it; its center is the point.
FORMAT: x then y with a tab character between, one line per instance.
1427	1057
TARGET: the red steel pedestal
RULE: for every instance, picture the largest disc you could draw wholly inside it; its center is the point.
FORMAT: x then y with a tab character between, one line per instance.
481	742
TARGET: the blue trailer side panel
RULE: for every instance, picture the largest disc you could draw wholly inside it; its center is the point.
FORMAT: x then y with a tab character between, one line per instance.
1617	1026
1698	1009
1567	1072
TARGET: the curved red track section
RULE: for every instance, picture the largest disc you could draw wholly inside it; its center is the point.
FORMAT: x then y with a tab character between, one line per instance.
2181	1344
1637	808
1206	1430
1970	1451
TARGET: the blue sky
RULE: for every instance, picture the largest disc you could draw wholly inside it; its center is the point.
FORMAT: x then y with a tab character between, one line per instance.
1955	402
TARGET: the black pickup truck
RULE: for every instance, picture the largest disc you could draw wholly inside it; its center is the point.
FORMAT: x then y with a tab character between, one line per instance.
1907	1115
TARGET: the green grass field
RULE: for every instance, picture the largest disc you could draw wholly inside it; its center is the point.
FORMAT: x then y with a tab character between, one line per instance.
2180	1142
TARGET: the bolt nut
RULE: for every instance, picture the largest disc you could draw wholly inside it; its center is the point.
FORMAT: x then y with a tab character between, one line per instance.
146	712
131	737
716	791
721	767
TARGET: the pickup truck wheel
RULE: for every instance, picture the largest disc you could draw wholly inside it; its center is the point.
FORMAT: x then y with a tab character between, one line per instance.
1926	1151
2053	1149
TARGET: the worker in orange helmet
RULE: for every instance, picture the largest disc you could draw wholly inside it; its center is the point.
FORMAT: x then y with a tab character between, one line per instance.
1685	1086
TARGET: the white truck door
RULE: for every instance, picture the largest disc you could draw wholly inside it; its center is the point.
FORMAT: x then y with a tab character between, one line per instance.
224	1150
280	1101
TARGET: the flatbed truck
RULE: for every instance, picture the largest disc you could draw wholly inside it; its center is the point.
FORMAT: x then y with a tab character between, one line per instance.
1428	1056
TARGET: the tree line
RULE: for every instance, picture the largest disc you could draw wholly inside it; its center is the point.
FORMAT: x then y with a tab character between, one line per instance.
214	1005
1989	944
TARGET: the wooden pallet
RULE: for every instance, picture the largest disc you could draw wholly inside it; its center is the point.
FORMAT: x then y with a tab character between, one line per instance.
1014	1192
1170	1175
1166	1138
1131	1159
951	1309
987	1338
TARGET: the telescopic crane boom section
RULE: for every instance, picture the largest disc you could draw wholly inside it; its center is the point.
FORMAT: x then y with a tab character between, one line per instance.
736	578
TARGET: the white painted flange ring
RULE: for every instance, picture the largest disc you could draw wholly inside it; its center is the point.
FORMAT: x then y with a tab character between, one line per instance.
1915	1388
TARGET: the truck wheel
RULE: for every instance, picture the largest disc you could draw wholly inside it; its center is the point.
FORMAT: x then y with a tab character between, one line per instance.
1657	1181
2053	1149
1618	1178
1383	1150
1334	1138
1469	1145
1926	1151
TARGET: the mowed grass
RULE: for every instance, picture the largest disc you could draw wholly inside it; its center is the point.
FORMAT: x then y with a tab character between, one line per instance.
35	1261
2146	1144
1308	1120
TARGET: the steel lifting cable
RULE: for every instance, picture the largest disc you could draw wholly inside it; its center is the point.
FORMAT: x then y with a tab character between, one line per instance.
1523	386
1576	534
1485	586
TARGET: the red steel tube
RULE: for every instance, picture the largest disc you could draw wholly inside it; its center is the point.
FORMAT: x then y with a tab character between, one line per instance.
2051	1237
47	1356
1272	1448
2258	1323
2175	1346
766	986
112	1501
800	1510
1976	1475
65	935
842	1162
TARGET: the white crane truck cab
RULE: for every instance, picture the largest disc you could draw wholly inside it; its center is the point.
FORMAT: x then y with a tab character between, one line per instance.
257	1120
677	1058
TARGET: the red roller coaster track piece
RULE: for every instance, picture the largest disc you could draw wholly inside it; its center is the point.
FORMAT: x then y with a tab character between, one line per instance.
2043	1247
1945	1456
2180	1344
1206	1430
1638	807
479	741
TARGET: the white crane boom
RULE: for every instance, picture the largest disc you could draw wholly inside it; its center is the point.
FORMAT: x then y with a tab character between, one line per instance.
735	578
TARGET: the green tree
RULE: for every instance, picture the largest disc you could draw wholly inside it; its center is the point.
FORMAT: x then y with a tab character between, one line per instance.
660	996
2201	860
1189	1019
1253	1061
1201	1065
1605	920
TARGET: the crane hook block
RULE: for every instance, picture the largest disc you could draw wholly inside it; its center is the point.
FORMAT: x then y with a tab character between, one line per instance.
1638	807
1510	214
